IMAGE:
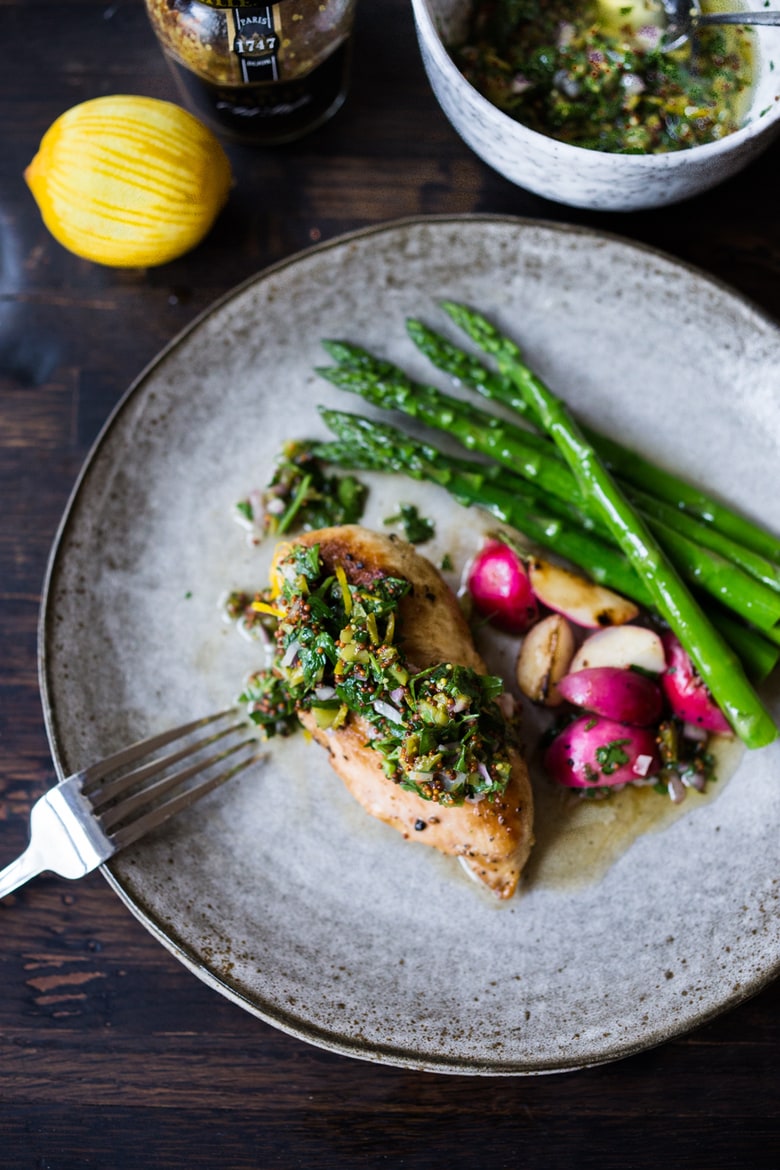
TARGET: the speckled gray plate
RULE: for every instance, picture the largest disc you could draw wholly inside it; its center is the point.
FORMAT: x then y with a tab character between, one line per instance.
278	890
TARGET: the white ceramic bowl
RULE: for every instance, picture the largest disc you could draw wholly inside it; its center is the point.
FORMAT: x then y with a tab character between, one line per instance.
572	174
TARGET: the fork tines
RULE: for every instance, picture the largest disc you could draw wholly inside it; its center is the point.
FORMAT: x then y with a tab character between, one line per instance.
130	804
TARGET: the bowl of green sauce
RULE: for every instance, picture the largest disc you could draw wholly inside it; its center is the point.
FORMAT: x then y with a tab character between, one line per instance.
579	101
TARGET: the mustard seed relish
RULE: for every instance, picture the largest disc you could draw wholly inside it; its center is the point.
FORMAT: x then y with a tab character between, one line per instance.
555	66
439	732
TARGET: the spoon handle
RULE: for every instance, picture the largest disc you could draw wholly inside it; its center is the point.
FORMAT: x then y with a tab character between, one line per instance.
738	18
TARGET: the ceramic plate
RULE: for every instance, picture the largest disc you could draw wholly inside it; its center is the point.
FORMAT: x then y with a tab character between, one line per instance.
278	890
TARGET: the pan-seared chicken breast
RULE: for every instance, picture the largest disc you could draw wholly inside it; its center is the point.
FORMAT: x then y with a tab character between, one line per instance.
493	835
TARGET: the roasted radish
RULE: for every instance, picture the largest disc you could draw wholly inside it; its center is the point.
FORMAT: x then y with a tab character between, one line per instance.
544	658
500	588
593	752
623	695
622	646
686	694
581	601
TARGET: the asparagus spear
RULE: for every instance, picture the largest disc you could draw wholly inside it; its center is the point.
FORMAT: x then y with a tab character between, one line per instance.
506	386
758	566
758	656
535	459
365	444
471	372
526	454
714	659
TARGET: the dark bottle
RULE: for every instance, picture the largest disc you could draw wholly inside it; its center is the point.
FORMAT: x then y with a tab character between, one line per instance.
259	74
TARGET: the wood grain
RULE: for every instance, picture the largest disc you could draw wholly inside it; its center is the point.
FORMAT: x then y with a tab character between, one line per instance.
111	1054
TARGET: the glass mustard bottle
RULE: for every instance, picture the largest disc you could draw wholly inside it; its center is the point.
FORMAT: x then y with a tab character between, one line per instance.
259	74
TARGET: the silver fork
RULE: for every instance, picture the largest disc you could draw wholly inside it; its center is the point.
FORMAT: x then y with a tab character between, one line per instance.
89	816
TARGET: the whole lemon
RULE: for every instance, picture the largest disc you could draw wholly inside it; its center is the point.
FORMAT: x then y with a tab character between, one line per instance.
129	181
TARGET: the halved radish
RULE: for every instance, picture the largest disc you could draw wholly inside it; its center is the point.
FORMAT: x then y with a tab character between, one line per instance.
618	694
686	693
544	658
622	646
593	752
581	601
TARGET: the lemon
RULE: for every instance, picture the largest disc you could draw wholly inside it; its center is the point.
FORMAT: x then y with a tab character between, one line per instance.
129	181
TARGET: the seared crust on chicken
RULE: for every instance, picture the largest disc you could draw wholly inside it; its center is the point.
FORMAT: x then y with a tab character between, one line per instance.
493	836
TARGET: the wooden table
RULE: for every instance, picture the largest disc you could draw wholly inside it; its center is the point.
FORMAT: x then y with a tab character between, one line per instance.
112	1054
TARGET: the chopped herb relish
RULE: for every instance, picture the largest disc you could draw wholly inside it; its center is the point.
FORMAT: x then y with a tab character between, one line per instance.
302	496
683	760
439	732
595	76
245	609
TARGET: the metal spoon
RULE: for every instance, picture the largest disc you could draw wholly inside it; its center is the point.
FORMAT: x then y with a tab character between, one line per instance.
684	17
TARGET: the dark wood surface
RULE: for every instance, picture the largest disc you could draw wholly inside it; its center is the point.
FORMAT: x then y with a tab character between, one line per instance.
111	1054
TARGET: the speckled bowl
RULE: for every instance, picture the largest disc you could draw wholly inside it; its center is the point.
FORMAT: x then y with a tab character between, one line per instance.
589	178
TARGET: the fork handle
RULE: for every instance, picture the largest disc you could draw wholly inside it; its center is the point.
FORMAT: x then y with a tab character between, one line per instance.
28	865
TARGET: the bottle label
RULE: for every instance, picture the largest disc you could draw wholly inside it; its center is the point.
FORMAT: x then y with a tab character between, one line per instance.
289	74
255	36
232	3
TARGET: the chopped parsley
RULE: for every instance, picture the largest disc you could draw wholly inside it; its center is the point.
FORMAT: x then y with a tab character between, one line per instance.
417	529
439	732
611	756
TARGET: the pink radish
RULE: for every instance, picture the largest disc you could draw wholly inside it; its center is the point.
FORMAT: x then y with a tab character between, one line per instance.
500	588
618	694
595	752
622	646
686	694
